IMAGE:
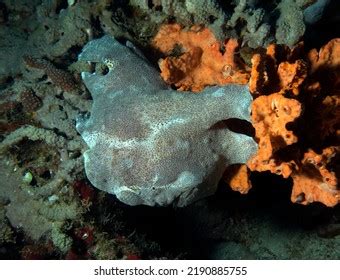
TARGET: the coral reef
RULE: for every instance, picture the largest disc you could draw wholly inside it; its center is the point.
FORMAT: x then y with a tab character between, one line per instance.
277	69
10	116
53	29
150	14
315	87
194	60
237	177
30	102
44	29
270	115
42	201
315	181
49	210
59	77
289	87
258	23
11	50
26	202
150	129
290	25
65	149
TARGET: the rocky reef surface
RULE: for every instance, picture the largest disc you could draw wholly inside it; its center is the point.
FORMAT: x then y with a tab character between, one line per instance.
288	60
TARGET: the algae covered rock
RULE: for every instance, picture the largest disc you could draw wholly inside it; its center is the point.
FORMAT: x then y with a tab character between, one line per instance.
152	145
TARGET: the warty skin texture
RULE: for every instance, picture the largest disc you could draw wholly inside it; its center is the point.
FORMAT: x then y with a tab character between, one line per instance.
152	145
